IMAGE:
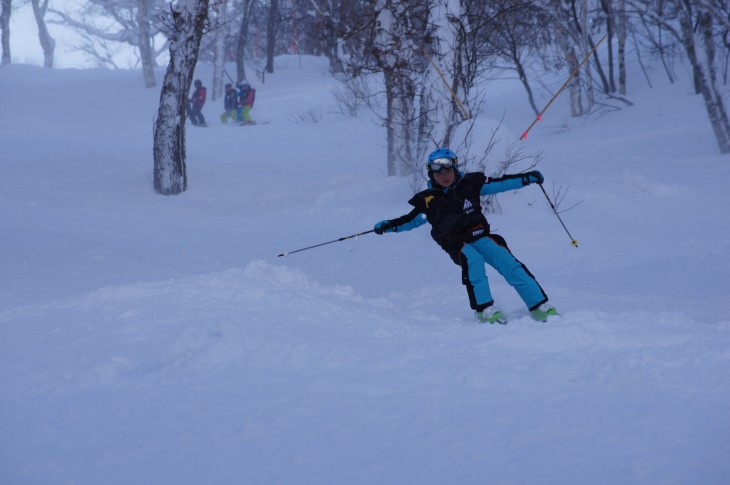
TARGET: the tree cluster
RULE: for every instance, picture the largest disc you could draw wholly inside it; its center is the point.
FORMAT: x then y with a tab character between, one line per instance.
430	58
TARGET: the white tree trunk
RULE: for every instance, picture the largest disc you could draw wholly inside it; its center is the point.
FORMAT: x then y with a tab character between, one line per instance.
390	133
47	43
707	81
188	17
5	27
396	53
399	121
586	48
219	47
574	88
247	7
447	100
145	43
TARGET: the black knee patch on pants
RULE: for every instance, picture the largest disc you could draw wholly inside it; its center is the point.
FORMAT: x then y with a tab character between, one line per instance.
499	240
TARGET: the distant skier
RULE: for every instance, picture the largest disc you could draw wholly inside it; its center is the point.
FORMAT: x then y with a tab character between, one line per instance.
230	104
195	104
452	206
246	97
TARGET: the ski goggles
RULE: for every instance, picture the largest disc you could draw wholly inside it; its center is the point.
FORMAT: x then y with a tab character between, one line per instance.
441	164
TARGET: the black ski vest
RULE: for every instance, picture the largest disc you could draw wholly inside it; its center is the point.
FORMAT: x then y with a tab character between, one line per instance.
455	213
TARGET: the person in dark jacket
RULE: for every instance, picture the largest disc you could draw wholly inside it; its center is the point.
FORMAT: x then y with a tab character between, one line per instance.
195	104
452	205
230	104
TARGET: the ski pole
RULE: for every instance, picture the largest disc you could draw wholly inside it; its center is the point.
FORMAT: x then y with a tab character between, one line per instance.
325	243
572	75
572	241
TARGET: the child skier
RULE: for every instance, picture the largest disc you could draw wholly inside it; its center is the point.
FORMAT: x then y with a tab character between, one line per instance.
246	97
452	206
230	104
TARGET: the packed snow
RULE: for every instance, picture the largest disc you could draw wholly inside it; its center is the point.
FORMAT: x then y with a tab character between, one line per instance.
148	339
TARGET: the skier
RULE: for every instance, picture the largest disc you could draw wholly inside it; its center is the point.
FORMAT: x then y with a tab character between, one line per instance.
195	104
452	206
230	104
246	97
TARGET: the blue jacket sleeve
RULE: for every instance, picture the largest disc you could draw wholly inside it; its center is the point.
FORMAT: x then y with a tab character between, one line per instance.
409	221
503	184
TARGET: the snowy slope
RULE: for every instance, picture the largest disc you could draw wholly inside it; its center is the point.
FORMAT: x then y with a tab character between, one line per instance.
148	339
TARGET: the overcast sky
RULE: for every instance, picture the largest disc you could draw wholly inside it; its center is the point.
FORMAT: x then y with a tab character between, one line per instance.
25	48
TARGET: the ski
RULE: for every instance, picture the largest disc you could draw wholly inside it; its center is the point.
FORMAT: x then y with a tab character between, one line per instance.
254	123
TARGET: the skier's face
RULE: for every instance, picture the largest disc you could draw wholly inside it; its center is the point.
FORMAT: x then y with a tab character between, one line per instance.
445	177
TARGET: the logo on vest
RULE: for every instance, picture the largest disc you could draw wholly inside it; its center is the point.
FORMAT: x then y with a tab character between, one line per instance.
468	207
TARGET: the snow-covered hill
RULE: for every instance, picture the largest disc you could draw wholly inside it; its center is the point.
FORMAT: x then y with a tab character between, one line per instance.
148	339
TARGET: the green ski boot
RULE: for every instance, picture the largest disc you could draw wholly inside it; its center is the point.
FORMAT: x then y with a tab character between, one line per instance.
544	311
491	315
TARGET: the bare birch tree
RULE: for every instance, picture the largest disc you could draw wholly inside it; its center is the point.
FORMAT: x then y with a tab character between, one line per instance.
136	23
5	27
185	31
568	42
397	48
327	19
144	42
272	25
692	25
444	103
515	34
219	24
47	43
241	42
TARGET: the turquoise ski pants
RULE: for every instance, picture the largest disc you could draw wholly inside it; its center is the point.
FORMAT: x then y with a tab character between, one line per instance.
492	250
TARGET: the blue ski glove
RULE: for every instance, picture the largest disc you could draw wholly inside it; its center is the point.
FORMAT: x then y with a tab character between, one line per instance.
534	177
383	226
